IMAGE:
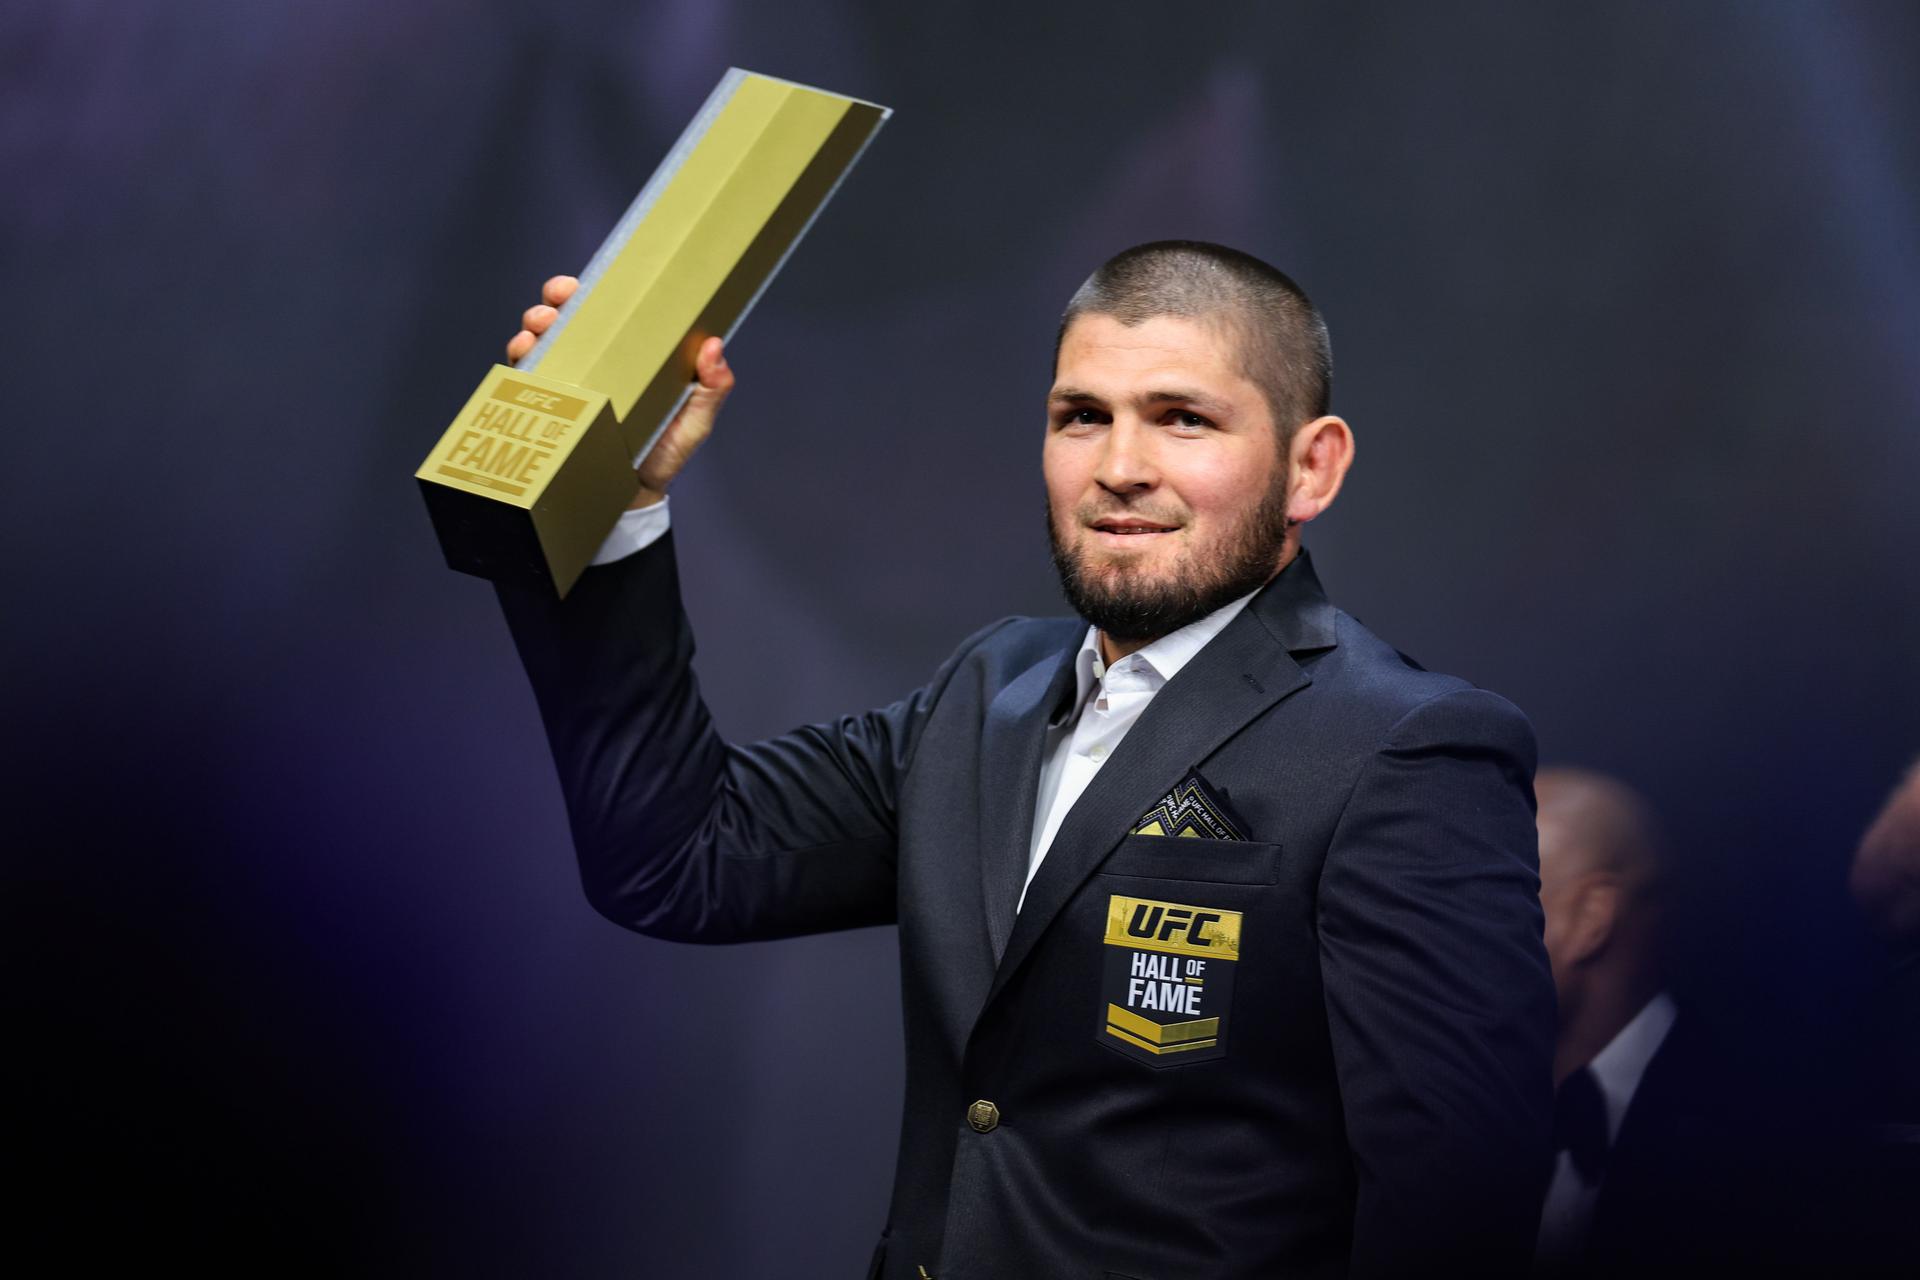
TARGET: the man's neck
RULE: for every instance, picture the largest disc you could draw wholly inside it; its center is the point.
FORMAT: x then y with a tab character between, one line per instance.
1111	650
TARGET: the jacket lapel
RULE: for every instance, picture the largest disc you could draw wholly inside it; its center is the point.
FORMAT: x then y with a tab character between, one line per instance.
1010	748
1245	669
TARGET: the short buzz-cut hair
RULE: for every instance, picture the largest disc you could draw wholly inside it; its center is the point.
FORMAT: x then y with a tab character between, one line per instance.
1282	340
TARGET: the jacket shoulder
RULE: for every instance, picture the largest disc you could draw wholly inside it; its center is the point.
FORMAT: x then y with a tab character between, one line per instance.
1383	689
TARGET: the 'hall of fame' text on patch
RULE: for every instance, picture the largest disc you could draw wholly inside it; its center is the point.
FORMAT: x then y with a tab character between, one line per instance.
1167	984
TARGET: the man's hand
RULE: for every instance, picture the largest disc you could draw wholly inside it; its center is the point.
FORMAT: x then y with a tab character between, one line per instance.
689	428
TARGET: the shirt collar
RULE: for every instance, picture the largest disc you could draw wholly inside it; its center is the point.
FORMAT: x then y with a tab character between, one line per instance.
1618	1067
1165	657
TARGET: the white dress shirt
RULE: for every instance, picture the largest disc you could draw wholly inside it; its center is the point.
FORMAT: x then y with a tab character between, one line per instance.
1107	700
1617	1069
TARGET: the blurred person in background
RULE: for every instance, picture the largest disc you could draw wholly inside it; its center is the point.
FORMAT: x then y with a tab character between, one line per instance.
1885	882
1656	1128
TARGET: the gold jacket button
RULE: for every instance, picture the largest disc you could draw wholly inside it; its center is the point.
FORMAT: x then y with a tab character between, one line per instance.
983	1116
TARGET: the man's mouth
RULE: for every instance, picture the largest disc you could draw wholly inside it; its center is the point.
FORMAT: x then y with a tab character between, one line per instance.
1131	527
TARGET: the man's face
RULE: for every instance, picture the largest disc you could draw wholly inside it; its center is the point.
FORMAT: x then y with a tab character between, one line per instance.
1166	480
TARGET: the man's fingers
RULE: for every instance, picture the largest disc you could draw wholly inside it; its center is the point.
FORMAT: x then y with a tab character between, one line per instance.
539	318
711	369
535	321
713	380
690	427
709	362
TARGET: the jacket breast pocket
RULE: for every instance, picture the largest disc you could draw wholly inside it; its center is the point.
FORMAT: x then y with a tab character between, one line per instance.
1201	861
1173	915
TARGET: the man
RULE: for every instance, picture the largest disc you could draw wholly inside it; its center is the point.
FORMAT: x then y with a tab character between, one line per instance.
1669	1150
1600	888
1219	929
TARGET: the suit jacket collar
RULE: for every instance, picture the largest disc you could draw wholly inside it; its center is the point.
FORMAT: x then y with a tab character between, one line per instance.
1166	656
1244	670
1011	742
1294	608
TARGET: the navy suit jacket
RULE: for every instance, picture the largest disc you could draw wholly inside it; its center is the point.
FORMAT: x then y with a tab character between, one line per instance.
1378	1097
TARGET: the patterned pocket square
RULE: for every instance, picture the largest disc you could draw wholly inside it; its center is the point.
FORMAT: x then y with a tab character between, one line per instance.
1191	809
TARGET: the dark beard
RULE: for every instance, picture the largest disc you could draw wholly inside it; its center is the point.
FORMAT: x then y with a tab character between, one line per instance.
1134	611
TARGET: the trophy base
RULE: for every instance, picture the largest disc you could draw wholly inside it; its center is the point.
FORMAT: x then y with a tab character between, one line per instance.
528	481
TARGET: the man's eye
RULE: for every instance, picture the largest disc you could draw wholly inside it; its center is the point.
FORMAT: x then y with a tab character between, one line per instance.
1082	418
1191	421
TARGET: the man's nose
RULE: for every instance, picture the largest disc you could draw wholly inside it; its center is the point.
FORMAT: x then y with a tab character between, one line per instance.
1126	464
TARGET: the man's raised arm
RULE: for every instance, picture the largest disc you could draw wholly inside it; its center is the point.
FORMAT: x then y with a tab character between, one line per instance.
680	835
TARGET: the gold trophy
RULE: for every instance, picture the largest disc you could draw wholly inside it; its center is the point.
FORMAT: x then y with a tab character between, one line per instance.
529	479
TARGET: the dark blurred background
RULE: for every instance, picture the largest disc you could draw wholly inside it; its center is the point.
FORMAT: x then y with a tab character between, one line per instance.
1625	307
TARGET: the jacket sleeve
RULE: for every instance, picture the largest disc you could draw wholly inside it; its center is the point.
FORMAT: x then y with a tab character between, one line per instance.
1439	997
680	835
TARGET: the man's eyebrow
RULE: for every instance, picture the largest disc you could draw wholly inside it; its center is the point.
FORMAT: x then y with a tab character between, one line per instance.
1165	395
1181	395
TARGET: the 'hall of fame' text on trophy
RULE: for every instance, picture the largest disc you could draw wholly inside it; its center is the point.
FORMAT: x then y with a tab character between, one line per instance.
535	470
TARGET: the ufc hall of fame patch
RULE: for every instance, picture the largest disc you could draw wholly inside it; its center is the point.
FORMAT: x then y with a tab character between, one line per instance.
1168	979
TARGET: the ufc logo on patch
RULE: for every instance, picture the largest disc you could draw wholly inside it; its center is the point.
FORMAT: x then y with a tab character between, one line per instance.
1159	921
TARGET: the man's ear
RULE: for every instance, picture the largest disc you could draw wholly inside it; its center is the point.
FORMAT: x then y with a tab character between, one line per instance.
1595	910
1320	453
